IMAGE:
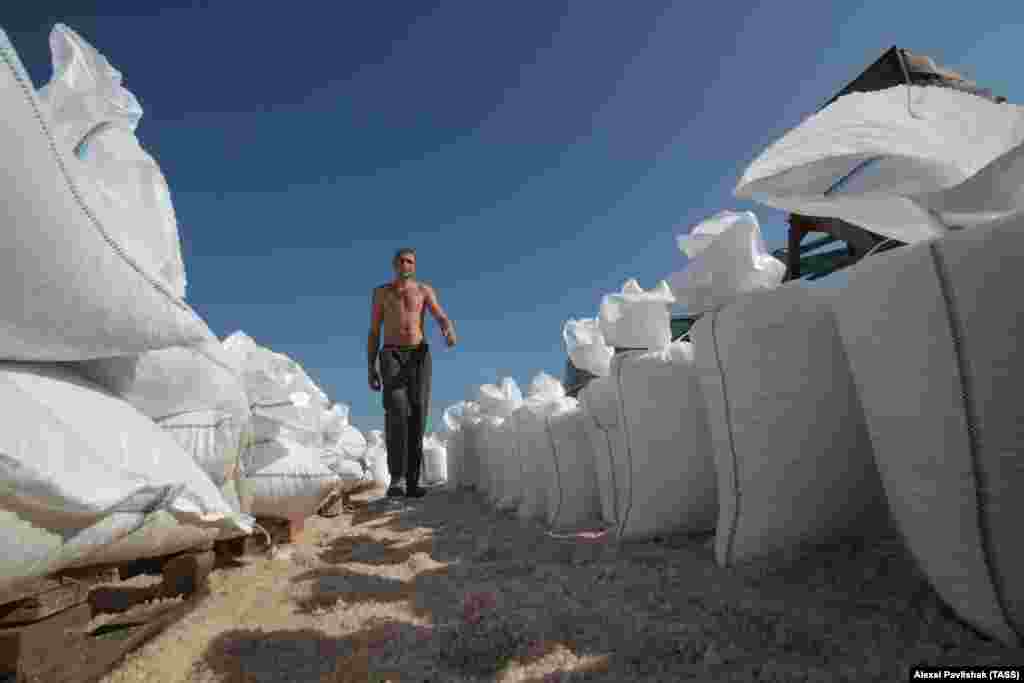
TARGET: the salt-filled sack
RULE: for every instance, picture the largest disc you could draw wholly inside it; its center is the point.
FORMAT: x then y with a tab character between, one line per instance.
651	444
635	319
377	458
567	468
933	333
288	480
82	472
869	158
109	273
283	399
494	439
791	448
435	461
452	420
186	390
344	445
727	259
586	346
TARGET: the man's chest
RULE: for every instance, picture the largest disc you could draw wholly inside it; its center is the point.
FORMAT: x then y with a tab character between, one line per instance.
408	300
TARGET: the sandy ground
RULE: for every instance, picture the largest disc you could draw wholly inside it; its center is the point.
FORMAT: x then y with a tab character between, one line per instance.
447	589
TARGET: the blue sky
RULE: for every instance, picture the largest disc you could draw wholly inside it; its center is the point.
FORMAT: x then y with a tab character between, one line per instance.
536	154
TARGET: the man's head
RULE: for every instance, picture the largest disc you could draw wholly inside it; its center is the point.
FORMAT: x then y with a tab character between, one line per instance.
405	263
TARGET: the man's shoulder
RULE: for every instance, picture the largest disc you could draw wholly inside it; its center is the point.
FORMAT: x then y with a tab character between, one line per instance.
426	288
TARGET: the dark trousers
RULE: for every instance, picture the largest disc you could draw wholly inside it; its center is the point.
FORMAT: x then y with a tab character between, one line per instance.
405	375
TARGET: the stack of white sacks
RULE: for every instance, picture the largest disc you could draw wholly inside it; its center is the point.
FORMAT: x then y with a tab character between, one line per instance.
288	478
124	421
930	336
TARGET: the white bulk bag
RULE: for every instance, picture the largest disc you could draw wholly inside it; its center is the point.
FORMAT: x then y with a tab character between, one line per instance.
586	347
81	470
869	157
933	333
94	118
635	319
287	479
67	259
792	451
283	400
727	258
451	420
568	469
187	389
499	400
651	444
376	458
435	462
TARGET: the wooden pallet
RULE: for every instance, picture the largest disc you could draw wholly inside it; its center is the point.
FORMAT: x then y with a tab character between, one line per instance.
44	636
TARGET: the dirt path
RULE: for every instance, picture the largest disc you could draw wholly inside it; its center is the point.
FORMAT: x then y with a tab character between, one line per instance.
446	589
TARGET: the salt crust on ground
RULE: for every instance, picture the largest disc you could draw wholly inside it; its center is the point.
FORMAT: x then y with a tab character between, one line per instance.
446	589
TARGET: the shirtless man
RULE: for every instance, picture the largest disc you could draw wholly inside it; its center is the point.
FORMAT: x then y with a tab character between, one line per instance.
405	368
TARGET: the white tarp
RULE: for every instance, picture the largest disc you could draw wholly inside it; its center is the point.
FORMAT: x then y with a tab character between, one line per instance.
73	256
586	347
727	258
452	420
933	334
636	319
791	448
81	472
651	446
873	159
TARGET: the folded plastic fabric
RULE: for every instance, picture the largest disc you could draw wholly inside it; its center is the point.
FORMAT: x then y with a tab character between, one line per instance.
877	159
728	258
637	319
586	346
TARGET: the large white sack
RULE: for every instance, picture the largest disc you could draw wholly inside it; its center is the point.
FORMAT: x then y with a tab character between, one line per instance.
471	469
81	472
791	448
651	444
287	479
499	400
933	333
868	159
450	434
435	461
343	444
586	347
567	469
521	474
635	319
196	390
284	400
727	259
376	458
66	258
94	118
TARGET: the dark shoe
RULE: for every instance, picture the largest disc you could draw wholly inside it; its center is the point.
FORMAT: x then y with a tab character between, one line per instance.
395	492
415	492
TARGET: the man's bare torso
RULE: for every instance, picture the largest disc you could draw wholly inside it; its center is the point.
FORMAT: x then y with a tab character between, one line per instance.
403	308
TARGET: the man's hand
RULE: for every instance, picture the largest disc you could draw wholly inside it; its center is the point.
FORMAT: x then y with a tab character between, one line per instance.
375	383
449	337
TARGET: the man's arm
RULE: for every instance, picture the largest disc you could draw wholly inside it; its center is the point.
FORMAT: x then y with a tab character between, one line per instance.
373	340
446	325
